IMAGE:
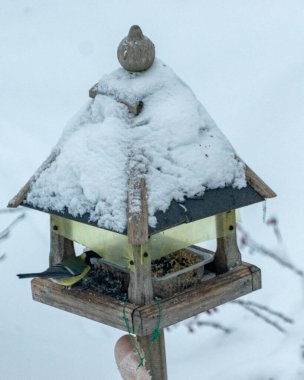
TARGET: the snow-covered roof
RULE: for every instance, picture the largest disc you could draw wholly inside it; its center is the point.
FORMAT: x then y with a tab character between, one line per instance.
173	143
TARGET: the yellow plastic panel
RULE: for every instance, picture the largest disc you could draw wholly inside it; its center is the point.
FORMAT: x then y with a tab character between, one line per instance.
114	247
110	245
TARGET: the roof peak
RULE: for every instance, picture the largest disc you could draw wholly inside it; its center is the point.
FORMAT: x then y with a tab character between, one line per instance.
136	52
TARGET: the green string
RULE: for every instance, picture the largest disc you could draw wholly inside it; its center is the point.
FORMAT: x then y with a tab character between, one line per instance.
154	337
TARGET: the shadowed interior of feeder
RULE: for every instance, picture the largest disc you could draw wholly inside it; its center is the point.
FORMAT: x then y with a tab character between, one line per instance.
170	274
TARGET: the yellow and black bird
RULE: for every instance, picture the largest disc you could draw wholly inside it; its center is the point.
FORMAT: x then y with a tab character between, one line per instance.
67	272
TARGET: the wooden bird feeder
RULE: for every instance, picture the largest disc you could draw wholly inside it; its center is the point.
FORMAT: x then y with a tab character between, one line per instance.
183	224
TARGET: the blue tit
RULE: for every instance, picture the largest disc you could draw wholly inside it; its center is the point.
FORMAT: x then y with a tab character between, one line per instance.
69	271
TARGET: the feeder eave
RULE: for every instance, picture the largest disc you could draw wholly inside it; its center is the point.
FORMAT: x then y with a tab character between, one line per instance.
213	202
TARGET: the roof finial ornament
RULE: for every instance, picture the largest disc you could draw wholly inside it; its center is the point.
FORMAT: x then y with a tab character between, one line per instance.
136	52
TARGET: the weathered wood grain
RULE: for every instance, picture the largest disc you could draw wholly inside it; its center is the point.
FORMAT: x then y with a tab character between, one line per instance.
256	276
137	209
227	255
61	248
108	310
21	195
156	357
258	184
203	297
86	303
140	290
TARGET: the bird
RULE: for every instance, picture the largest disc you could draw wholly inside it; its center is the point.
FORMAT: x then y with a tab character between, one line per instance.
69	271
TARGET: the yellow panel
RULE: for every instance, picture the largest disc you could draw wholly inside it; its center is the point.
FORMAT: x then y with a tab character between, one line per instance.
110	245
114	247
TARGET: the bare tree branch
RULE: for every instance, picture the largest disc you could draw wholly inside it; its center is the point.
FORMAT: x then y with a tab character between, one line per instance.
215	325
253	246
4	234
255	312
266	309
9	210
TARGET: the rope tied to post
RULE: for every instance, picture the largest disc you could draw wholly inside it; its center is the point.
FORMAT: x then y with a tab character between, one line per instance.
154	337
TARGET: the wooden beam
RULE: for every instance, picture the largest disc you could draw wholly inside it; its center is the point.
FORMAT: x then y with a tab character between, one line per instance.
21	195
205	296
85	303
256	276
109	310
227	255
156	357
61	248
137	209
134	108
140	289
258	184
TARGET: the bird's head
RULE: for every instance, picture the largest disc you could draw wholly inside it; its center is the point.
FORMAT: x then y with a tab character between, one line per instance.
90	257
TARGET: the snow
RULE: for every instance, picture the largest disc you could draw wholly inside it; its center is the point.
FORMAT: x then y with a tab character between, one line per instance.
174	139
244	59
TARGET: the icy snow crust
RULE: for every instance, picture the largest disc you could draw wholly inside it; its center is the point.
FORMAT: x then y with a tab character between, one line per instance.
173	139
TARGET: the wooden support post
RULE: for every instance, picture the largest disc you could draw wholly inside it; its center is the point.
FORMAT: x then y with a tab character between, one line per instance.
156	357
60	248
140	289
227	255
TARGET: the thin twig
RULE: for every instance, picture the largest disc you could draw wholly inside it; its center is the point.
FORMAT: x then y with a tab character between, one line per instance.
9	210
273	222
195	322
266	309
252	245
214	325
261	316
4	234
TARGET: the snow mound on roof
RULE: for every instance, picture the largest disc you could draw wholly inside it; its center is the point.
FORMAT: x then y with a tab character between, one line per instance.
174	138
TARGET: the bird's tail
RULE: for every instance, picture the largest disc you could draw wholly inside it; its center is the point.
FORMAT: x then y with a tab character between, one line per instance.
31	275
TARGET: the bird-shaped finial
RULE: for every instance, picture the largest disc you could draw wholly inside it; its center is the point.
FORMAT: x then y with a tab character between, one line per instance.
136	52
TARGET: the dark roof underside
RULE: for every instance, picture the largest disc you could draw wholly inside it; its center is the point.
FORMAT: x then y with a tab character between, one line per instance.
213	202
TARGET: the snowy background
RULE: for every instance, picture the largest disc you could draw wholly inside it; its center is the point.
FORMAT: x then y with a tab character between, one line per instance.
245	61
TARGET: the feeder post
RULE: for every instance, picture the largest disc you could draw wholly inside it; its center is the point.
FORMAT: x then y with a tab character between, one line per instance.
140	289
60	247
227	255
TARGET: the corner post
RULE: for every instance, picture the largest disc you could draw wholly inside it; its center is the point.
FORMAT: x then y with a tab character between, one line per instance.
227	255
140	289
60	247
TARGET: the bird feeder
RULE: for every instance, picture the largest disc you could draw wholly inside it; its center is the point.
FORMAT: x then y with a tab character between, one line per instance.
157	219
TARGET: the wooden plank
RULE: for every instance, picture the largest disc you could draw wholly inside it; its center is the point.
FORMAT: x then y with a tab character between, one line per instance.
140	289
61	248
258	184
156	357
137	209
256	276
203	297
21	195
85	303
135	108
109	310
227	255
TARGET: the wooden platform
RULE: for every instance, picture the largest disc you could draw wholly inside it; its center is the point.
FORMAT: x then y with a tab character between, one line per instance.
108	310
